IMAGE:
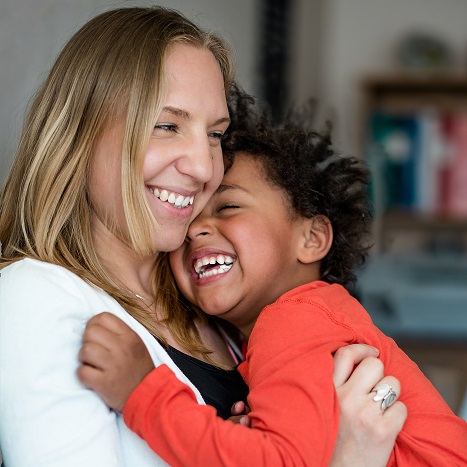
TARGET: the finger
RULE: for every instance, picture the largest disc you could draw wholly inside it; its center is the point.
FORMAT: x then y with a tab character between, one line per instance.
386	392
237	408
89	376
365	376
108	321
94	354
347	357
241	420
99	334
393	382
240	408
245	420
396	415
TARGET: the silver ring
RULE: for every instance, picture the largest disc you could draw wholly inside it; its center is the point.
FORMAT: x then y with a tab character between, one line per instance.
386	394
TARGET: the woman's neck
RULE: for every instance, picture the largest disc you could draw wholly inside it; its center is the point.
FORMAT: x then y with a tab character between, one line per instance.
128	270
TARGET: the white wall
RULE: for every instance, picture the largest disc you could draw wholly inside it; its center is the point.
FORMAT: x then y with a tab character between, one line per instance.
32	33
359	36
305	49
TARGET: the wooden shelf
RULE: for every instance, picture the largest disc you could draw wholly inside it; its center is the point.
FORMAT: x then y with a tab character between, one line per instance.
415	221
415	82
408	92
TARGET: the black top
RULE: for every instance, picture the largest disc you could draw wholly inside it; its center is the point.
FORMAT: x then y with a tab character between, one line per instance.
219	388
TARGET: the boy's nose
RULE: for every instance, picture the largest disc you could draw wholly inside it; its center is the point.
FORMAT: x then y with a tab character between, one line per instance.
200	227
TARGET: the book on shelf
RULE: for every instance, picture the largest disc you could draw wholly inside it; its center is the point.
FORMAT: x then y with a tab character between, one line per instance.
419	161
397	139
456	189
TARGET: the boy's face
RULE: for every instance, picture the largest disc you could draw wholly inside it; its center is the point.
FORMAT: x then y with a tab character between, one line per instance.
249	238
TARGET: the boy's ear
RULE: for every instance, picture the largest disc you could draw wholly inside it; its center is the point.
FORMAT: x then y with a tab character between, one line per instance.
316	239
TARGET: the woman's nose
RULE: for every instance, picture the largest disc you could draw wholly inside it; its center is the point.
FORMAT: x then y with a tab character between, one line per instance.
197	160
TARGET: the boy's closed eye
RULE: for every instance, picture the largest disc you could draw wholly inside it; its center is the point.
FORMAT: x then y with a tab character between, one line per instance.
227	206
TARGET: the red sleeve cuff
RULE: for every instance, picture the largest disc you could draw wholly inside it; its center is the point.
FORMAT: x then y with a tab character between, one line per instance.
144	392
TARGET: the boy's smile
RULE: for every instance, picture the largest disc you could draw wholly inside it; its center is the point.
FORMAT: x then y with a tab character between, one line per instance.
211	265
241	251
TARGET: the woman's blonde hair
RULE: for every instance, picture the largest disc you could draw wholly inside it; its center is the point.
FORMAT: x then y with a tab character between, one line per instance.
111	69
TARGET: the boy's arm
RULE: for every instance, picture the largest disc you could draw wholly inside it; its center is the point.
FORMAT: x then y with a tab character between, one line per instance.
164	412
114	360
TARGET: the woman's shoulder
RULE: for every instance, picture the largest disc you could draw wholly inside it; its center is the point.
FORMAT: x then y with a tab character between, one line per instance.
33	276
28	267
29	287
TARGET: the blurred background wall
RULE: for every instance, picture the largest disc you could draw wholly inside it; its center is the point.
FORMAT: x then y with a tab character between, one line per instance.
379	68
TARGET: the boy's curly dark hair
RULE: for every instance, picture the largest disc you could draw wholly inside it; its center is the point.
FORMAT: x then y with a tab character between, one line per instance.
314	177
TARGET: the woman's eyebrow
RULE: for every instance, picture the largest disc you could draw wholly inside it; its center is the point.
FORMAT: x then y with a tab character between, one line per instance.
186	115
177	112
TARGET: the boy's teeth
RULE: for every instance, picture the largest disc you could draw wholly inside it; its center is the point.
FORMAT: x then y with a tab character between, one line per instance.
213	272
225	262
175	199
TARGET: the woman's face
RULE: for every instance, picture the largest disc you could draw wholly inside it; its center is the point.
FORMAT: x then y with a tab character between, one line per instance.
183	165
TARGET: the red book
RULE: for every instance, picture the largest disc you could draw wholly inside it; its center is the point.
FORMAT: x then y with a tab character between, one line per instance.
456	189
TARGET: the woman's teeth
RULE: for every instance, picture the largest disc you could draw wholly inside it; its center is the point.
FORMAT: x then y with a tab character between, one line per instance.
179	201
202	264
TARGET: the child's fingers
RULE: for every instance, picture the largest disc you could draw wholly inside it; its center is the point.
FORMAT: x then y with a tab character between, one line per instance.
99	333
241	420
94	355
240	408
108	321
89	376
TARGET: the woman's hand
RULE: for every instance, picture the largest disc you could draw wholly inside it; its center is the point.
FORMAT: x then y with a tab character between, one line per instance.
366	432
114	360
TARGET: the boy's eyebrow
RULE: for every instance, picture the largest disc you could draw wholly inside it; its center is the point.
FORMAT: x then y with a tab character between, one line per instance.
224	187
186	115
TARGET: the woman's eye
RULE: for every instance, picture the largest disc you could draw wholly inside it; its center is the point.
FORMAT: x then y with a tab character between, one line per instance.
216	137
168	127
216	134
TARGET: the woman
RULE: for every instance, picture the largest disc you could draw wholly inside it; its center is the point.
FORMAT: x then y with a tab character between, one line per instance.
119	153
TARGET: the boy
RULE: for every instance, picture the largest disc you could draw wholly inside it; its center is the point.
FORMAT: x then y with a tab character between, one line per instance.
270	254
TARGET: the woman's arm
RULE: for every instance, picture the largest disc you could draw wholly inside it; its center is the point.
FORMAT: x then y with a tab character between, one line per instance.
365	438
366	433
48	418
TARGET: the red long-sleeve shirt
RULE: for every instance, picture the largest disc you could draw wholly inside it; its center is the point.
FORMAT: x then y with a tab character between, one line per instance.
295	412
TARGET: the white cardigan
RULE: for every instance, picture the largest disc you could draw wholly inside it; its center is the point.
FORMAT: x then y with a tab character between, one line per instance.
47	417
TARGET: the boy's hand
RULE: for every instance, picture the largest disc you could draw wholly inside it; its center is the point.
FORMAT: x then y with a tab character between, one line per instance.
113	358
240	413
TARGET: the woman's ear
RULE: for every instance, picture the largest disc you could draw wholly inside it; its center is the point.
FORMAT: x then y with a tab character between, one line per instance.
316	239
